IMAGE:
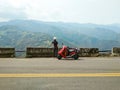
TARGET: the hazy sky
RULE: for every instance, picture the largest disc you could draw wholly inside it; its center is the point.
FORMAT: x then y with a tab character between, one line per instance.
81	11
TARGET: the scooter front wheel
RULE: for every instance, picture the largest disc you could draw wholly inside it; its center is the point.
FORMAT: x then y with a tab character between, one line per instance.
59	57
76	56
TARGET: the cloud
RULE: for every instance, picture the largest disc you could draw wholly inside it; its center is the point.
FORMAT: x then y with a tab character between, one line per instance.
44	10
82	11
9	11
13	14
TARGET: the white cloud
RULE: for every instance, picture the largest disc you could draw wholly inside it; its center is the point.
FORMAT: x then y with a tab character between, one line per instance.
10	10
83	11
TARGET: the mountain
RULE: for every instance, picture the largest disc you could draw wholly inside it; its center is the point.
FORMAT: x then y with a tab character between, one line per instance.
23	33
13	36
59	28
115	27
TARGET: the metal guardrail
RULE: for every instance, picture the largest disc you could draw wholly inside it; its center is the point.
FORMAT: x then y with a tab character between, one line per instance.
98	51
105	51
20	51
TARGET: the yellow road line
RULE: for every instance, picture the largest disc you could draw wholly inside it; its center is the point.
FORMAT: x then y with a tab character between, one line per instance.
52	75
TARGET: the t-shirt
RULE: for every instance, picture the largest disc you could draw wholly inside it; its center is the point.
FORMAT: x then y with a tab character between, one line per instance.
55	44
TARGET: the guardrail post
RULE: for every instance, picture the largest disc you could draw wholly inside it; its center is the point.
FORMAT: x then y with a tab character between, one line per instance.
39	52
116	51
89	52
7	52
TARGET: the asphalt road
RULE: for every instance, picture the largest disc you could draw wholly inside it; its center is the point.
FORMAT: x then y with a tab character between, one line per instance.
48	66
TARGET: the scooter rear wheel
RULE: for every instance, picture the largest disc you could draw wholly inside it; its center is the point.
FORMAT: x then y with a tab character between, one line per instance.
75	56
59	57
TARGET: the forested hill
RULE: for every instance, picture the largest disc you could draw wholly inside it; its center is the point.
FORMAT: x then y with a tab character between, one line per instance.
23	33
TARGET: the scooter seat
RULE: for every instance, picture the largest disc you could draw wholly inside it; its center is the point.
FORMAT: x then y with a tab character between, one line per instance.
71	50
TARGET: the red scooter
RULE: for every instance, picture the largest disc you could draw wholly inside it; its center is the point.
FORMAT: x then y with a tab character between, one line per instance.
66	52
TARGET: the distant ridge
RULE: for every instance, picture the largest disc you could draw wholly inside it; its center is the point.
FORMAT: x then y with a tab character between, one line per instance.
23	33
